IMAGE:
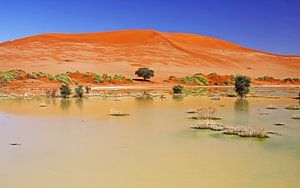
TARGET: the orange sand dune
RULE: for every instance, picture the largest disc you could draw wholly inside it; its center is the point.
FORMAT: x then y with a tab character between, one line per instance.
122	52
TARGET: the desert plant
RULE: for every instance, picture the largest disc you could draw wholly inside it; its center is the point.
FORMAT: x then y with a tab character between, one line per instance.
65	91
6	77
178	89
206	114
87	89
187	80
242	85
51	92
199	79
118	77
79	91
107	77
98	78
146	73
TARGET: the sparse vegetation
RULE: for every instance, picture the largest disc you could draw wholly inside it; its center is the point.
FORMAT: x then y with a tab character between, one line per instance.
178	89
243	132
65	91
206	114
51	92
242	85
293	107
88	89
63	78
114	112
118	77
263	78
296	116
146	73
98	78
79	91
8	76
209	125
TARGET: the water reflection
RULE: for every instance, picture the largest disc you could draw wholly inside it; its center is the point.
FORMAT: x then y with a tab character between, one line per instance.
79	103
145	97
241	105
178	97
65	104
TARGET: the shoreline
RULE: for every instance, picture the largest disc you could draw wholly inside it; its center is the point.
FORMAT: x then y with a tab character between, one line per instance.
144	87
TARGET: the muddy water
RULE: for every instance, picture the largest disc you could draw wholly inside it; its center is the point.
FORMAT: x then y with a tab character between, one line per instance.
75	143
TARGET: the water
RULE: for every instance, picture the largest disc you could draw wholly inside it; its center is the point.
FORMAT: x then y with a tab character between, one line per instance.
75	143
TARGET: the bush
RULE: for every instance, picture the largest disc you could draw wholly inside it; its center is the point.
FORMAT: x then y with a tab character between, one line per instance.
199	79
187	80
65	91
8	76
178	89
79	91
107	77
63	78
146	73
98	78
242	85
87	89
118	77
263	78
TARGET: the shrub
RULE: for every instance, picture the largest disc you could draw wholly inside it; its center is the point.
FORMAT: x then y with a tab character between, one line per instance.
262	78
187	79
87	89
242	84
51	92
199	79
146	73
288	79
79	91
98	78
118	77
213	74
87	74
107	77
63	78
65	91
8	76
178	89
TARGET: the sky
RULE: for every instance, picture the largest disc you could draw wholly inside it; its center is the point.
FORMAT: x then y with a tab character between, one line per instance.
267	25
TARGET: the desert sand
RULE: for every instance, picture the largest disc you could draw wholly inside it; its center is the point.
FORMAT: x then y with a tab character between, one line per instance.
122	52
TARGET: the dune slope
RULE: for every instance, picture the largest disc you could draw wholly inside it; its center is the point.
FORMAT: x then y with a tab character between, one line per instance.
122	52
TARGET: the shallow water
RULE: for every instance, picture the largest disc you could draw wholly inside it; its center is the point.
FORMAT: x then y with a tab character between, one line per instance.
75	143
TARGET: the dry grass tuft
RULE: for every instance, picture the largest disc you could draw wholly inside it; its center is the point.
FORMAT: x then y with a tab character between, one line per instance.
209	125
243	132
206	114
114	112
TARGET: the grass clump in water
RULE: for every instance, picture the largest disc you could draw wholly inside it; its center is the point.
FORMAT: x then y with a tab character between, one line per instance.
206	113
114	112
209	125
293	107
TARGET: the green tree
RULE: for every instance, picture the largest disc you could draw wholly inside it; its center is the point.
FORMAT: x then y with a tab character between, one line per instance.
65	90
79	91
178	89
146	73
242	85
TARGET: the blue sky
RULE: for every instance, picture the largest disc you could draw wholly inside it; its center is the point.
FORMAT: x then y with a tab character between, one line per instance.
268	25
